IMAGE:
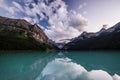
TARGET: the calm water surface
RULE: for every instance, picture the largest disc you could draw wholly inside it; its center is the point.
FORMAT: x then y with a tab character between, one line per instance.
73	65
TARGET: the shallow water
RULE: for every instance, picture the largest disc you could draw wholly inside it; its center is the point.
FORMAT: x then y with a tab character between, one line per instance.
73	65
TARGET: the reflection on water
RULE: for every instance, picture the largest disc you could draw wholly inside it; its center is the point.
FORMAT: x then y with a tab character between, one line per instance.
60	66
66	69
23	65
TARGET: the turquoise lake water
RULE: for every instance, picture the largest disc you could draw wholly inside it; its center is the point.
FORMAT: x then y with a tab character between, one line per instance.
73	65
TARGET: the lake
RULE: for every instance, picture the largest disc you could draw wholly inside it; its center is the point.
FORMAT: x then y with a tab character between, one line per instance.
72	65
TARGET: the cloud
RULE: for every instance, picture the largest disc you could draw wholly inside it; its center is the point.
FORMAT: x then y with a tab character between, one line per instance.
28	19
85	12
5	7
65	69
82	5
18	6
58	34
64	24
61	23
77	21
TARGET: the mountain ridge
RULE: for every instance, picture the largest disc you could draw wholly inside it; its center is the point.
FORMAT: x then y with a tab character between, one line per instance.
105	39
20	34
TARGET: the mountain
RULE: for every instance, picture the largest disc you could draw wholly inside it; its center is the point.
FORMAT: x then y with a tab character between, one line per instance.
105	39
18	34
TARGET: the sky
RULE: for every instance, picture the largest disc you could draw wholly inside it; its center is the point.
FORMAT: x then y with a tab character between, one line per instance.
64	19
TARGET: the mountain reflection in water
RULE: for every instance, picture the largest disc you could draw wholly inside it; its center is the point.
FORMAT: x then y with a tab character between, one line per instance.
60	66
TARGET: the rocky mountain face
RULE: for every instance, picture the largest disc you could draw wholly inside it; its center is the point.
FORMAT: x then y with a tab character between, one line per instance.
18	34
105	39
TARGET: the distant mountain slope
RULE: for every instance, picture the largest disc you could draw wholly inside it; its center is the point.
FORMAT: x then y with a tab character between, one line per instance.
105	39
18	34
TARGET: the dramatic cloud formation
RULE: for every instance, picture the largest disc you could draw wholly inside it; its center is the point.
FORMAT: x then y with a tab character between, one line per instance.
53	16
65	69
62	19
